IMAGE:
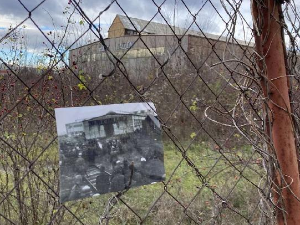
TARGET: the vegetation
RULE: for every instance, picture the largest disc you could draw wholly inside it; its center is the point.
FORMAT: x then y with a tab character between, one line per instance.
182	189
212	174
217	188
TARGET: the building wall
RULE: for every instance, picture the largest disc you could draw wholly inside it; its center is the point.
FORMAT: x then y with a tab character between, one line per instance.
213	51
137	55
143	58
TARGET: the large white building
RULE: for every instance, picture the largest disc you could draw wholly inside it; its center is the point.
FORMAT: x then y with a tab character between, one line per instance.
143	47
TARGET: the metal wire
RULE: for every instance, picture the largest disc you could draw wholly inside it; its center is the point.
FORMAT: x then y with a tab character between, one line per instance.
219	158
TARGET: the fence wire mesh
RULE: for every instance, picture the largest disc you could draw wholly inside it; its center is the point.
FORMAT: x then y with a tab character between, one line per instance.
203	79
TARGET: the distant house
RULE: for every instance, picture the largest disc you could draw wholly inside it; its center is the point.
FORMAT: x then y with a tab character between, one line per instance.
106	126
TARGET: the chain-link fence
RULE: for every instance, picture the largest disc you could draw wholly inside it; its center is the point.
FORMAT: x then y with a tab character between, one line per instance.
195	60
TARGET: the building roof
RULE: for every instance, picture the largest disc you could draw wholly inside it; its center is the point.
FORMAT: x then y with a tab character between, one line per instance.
155	28
111	114
145	26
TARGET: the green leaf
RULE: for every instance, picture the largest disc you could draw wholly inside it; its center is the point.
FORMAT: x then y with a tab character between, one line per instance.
237	135
81	86
6	135
13	136
240	154
192	135
194	107
82	78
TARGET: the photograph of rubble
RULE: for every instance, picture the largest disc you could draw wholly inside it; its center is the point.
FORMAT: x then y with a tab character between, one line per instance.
108	148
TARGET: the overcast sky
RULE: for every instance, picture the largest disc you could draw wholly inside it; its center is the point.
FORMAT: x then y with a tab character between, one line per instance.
52	17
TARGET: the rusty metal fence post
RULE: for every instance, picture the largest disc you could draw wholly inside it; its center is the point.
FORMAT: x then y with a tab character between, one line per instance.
269	39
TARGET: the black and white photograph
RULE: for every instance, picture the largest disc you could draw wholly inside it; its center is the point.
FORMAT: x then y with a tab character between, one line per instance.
108	148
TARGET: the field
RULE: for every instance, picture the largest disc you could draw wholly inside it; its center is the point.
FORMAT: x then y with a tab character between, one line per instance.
184	196
208	182
217	192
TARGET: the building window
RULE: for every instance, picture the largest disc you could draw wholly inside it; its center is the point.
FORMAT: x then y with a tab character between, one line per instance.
131	32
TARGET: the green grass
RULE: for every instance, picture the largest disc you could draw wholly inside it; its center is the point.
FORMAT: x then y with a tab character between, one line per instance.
216	178
183	185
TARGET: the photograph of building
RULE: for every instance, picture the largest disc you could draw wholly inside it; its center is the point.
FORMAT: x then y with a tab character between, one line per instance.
109	152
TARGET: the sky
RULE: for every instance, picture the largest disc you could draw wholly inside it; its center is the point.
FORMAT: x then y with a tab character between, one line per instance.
75	114
54	18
